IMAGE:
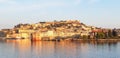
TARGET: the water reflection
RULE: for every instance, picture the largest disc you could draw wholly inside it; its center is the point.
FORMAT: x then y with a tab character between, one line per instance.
21	48
63	49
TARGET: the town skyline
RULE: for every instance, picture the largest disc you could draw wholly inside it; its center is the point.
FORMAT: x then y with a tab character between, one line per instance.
58	30
32	22
97	13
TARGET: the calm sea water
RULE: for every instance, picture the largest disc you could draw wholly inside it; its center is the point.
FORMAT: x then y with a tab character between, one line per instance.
63	49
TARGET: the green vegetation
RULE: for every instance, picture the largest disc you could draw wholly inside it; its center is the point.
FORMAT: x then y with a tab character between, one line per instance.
100	35
84	37
111	34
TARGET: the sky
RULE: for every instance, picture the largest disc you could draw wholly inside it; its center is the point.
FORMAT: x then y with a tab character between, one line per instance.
99	13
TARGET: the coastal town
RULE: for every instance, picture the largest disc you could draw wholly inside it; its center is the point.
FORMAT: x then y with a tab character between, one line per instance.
58	30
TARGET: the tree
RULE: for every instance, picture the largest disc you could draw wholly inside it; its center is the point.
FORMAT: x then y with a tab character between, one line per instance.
110	33
114	33
85	37
100	35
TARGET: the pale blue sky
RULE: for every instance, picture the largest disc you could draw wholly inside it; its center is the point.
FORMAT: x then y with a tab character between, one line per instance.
100	13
